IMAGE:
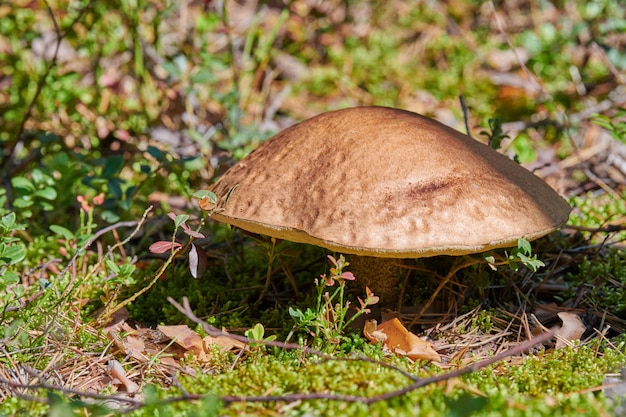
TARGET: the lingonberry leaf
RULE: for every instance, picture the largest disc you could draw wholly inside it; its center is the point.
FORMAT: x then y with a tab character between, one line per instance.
163	246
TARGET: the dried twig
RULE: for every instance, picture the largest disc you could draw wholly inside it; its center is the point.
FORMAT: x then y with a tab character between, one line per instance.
229	399
417	382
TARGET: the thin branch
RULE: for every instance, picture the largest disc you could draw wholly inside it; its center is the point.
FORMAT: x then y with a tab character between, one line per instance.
611	228
229	399
465	116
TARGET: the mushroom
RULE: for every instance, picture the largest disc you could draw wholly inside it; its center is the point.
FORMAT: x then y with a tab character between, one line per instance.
385	183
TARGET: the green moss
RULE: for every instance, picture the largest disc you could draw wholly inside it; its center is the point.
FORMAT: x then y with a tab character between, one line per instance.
594	211
545	384
601	278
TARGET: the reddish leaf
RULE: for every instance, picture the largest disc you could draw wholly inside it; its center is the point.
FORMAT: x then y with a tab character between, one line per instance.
191	233
163	246
348	276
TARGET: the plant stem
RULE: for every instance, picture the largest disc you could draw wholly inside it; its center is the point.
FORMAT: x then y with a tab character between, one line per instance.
271	254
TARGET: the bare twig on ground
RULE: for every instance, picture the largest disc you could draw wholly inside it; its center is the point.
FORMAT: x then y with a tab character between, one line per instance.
229	399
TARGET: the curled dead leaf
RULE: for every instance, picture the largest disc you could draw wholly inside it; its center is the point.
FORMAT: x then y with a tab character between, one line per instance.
396	338
117	372
206	204
572	329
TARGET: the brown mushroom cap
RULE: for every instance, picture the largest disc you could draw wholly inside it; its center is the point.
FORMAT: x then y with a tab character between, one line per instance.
388	183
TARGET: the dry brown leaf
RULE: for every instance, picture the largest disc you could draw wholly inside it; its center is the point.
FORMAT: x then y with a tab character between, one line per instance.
129	345
572	329
169	361
135	348
185	338
370	332
225	343
399	340
118	373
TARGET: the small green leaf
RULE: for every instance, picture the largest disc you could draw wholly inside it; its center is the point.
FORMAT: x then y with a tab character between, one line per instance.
23	202
524	246
62	231
180	219
13	253
295	313
48	193
203	76
9	277
7	223
46	206
23	184
115	188
127	270
109	216
38	176
113	166
171	69
112	266
156	153
125	204
256	333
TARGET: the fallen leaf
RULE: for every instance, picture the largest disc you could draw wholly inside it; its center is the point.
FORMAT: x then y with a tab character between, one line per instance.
169	361
225	343
572	329
369	330
185	338
400	341
116	371
135	348
129	345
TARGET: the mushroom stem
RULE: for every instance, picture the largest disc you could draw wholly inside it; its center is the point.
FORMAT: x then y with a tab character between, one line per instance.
442	284
271	256
381	275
